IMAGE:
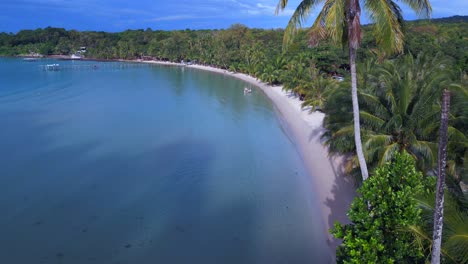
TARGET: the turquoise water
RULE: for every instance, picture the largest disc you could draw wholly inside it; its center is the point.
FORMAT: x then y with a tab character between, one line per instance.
124	163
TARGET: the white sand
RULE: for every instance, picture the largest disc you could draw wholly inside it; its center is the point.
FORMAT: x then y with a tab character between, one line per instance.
335	191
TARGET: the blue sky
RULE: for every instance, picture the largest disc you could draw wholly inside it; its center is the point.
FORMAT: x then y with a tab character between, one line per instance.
119	15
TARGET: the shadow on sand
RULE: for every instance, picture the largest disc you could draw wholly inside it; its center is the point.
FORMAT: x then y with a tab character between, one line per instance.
342	191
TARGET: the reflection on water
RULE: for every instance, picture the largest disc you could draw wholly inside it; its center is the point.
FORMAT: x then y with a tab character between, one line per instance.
147	165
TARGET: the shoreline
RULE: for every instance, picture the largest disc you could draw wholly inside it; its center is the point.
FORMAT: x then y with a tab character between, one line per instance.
335	191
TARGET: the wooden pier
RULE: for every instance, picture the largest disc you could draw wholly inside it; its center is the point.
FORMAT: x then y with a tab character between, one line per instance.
92	66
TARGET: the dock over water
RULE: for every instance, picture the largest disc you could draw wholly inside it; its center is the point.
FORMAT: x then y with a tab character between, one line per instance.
92	66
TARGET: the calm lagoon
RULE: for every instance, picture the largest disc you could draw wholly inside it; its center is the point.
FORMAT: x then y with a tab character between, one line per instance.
108	162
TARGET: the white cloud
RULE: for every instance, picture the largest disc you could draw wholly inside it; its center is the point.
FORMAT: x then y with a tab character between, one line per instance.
261	8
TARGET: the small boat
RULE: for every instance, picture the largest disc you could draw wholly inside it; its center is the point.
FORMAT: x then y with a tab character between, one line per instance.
30	59
247	90
75	57
52	67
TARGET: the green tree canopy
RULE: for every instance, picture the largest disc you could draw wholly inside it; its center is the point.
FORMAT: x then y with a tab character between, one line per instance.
380	216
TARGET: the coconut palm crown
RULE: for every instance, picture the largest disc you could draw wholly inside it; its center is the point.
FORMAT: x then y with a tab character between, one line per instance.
333	21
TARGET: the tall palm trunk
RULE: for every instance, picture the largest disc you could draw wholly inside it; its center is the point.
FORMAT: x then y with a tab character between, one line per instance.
354	35
439	206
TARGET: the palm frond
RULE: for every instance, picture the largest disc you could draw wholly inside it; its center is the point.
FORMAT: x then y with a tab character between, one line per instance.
421	235
422	7
426	201
371	120
372	154
318	31
388	24
335	21
377	140
394	123
300	15
281	6
455	233
374	102
345	130
426	150
459	244
389	152
456	135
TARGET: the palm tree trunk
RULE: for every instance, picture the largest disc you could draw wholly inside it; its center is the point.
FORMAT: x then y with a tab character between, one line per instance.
354	36
357	126
439	206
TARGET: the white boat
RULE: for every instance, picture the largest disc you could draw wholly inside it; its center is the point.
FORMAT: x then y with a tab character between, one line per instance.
247	90
52	67
75	57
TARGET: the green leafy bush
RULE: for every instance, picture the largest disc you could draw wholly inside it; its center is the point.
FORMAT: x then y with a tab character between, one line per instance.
380	217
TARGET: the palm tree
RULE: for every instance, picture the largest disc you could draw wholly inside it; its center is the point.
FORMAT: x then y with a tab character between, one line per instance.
270	74
304	81
399	109
294	76
340	21
439	208
321	87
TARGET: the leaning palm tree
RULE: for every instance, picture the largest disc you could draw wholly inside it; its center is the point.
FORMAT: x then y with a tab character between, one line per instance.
339	20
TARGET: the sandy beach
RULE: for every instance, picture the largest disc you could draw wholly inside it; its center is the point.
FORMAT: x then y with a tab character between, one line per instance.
334	190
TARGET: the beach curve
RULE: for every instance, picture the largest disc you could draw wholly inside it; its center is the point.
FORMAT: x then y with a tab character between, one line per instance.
335	191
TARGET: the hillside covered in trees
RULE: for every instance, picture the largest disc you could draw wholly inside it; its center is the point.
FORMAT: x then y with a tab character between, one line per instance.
237	47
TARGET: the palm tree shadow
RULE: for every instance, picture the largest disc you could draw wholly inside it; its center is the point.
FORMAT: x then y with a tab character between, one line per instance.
290	94
343	193
316	134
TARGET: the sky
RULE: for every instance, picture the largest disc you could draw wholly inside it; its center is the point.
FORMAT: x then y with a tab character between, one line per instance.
119	15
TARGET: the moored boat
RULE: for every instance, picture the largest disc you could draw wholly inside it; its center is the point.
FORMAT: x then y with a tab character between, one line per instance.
75	57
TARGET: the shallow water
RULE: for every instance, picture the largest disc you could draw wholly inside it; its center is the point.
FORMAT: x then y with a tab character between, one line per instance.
124	163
